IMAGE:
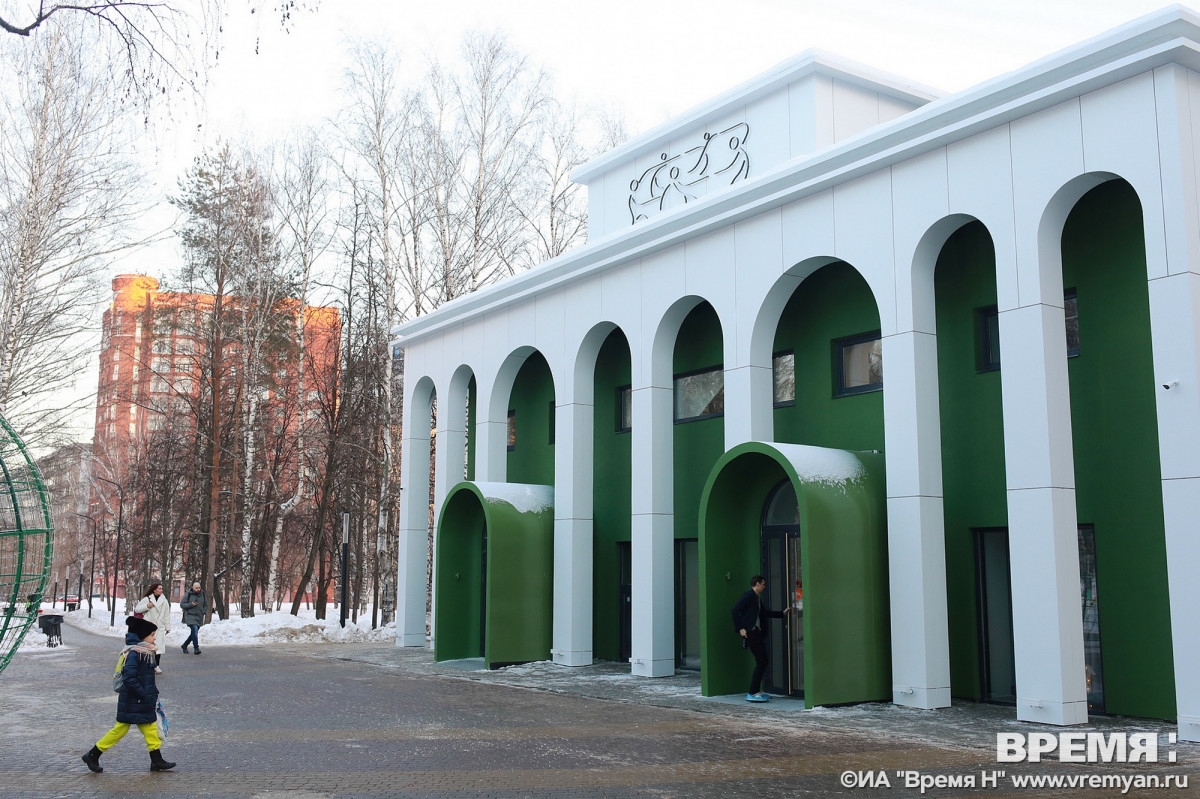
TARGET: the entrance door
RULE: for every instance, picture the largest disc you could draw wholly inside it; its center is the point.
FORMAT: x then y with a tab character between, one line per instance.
1089	597
780	538
625	612
996	653
483	555
687	603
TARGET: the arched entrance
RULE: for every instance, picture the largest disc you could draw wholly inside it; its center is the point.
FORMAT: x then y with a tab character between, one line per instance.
495	548
838	535
782	562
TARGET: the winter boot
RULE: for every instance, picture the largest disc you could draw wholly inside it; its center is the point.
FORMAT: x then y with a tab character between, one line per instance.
92	759
157	763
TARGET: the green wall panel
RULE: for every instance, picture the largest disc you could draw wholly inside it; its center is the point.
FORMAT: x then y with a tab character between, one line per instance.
697	444
1114	425
532	459
612	485
832	303
972	431
518	522
843	523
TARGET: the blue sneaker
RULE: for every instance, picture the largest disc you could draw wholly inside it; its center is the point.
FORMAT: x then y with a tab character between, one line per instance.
759	697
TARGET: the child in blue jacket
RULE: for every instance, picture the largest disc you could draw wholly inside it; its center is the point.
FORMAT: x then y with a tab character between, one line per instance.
138	698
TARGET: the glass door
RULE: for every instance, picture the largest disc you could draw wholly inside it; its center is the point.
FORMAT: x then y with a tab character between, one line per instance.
780	540
1089	597
687	603
625	611
996	652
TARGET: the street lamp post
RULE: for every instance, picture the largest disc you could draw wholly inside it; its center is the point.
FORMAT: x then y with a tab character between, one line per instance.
92	573
112	616
345	562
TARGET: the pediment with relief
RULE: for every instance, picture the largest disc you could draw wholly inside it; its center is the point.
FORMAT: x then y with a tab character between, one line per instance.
721	160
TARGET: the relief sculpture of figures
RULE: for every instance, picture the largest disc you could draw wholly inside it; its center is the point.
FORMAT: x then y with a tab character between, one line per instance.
722	157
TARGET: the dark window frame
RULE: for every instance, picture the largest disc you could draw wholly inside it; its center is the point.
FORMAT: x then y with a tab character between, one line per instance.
675	389
620	392
1068	296
511	434
783	403
839	348
553	420
987	353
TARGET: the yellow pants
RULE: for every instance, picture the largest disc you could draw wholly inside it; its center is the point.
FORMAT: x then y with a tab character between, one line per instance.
149	732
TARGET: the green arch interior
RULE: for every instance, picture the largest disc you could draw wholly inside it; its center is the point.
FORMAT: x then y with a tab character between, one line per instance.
847	655
518	587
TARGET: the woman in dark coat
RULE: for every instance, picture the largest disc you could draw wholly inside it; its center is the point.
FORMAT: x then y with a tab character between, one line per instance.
138	698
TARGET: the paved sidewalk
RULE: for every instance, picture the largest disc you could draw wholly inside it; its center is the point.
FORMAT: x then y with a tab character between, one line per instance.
966	725
337	721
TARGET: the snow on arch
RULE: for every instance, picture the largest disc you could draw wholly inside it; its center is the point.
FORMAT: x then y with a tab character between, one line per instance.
524	497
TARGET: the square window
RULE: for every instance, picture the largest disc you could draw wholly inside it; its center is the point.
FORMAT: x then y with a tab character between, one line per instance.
783	373
512	430
1071	315
624	409
700	395
859	364
987	353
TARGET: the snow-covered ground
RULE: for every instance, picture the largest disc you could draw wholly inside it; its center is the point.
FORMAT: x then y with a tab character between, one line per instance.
265	628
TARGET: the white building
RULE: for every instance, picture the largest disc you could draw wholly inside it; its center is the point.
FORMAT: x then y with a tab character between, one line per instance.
697	395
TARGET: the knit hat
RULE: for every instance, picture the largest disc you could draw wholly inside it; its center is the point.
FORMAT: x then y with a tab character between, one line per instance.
140	627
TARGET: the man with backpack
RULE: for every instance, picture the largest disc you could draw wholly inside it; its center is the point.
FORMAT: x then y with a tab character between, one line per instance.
138	700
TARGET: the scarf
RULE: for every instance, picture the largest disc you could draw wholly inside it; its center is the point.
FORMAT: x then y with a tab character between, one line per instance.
143	651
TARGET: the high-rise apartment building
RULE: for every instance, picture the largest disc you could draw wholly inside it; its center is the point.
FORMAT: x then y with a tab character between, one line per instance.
154	418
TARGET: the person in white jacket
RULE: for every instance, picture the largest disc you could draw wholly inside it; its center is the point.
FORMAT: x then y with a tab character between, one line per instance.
156	608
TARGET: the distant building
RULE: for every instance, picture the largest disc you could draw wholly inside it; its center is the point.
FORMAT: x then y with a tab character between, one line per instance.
1005	513
154	388
66	473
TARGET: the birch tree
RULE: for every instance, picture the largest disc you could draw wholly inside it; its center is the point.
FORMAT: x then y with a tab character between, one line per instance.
502	101
69	201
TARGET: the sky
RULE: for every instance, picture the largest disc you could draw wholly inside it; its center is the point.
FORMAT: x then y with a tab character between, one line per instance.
644	60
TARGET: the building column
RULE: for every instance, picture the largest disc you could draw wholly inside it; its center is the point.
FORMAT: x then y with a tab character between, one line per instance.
491	436
1175	333
916	524
749	395
1043	529
572	632
412	551
1174	320
449	470
653	530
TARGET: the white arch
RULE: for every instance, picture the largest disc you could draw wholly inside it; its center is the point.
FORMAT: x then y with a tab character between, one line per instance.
412	553
573	505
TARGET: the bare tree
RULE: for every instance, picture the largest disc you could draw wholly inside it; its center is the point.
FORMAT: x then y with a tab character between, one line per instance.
301	199
556	209
69	200
502	100
163	46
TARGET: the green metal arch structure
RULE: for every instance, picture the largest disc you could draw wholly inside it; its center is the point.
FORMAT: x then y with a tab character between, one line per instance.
843	521
494	570
26	537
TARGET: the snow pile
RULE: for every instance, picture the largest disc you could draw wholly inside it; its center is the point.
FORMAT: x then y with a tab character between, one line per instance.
263	629
524	497
831	467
